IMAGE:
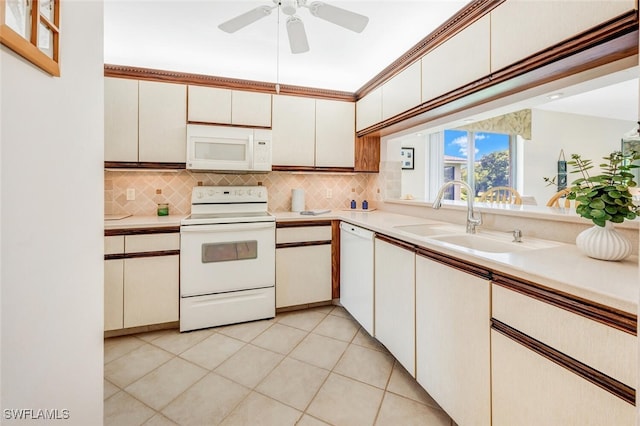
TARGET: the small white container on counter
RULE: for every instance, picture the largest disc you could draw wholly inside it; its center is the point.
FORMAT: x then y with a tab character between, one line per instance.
297	200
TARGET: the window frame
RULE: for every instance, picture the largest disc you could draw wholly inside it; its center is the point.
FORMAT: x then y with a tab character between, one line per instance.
28	48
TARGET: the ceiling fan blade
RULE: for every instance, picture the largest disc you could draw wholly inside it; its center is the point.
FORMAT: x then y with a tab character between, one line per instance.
336	15
297	35
241	21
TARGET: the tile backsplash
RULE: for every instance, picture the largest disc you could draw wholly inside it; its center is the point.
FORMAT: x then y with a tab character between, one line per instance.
153	187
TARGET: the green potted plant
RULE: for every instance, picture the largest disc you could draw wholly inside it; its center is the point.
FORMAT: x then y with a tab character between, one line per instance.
604	199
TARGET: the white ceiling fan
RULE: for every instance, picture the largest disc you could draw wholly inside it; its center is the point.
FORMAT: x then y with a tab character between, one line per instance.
295	27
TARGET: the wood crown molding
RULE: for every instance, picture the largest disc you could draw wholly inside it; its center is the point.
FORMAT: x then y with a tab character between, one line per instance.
609	384
149	74
458	22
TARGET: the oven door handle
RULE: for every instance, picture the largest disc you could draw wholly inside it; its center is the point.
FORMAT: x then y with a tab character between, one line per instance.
228	227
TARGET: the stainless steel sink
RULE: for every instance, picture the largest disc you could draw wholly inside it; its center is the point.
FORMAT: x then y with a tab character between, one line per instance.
430	230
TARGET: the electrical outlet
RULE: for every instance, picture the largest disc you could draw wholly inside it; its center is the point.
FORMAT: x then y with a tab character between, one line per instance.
131	194
329	193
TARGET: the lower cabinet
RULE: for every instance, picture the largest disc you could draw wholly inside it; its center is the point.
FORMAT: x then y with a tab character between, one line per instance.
529	389
151	293
394	300
141	280
303	264
452	340
113	294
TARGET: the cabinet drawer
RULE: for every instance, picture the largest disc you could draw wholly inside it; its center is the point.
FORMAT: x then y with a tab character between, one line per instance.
606	349
303	234
152	242
114	244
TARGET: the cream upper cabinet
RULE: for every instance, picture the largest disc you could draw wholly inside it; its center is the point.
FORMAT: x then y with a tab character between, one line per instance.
250	108
402	92
453	340
209	105
468	52
335	133
294	131
120	119
394	301
520	28
162	135
530	390
225	106
369	109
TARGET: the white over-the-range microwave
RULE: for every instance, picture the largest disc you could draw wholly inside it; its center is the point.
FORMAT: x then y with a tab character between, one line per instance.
223	148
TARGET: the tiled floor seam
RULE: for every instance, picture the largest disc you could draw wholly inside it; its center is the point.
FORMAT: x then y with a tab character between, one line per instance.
127	353
141	402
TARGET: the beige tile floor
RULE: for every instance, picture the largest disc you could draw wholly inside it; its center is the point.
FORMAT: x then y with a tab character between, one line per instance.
311	367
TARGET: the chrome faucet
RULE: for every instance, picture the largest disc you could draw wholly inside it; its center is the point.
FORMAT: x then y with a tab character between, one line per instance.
472	221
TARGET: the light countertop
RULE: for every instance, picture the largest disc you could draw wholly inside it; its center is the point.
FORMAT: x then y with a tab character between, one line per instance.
558	266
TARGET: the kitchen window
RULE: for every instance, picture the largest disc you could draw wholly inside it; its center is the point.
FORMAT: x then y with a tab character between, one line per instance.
482	159
31	28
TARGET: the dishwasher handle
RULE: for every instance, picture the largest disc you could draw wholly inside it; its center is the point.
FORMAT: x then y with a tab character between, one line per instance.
357	231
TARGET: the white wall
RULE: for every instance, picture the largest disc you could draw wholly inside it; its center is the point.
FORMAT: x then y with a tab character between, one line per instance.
51	194
591	137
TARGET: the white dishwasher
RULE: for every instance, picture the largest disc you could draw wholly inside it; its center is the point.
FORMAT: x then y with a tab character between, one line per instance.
356	273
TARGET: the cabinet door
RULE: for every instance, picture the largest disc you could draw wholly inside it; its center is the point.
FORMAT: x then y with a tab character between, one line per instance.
250	109
470	49
402	92
452	340
514	22
163	122
335	133
529	389
293	131
369	109
151	292
209	105
394	312
120	119
303	275
113	294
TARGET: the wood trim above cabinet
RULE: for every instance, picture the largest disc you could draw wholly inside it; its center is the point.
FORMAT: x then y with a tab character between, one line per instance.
608	316
303	223
149	74
396	242
302	244
142	231
609	384
470	268
142	254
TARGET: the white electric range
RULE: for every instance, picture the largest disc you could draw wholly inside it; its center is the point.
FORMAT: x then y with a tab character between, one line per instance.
227	257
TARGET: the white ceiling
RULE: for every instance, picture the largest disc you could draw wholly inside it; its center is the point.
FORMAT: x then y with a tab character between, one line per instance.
182	35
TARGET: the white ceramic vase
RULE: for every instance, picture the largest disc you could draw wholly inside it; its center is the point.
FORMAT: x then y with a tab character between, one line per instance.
604	243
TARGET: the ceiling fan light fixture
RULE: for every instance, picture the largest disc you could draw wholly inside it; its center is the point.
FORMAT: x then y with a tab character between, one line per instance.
336	15
297	35
241	21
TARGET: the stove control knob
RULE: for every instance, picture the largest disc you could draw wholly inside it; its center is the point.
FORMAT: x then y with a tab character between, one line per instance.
250	192
240	192
198	194
210	192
